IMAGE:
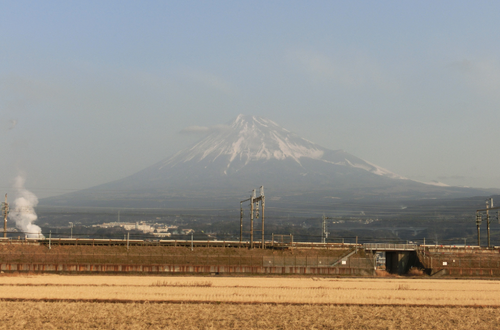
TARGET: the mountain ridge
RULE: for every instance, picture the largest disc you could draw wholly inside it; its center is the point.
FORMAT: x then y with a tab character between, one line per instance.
251	151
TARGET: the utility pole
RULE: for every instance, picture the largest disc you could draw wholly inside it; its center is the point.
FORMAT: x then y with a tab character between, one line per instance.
324	234
5	209
255	203
263	203
489	207
478	225
241	221
71	226
251	218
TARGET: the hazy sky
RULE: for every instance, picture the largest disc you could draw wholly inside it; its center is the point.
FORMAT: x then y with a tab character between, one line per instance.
93	91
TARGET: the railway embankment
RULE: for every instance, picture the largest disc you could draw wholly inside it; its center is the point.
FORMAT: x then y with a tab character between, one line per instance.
453	261
328	260
180	259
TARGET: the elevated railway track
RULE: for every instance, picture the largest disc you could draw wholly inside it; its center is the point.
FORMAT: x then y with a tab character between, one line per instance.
180	243
371	247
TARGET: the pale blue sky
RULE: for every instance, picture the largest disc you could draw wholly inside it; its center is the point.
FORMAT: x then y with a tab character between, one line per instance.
100	89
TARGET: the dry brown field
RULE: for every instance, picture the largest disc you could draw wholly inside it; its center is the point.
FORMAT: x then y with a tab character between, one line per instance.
282	290
155	302
84	315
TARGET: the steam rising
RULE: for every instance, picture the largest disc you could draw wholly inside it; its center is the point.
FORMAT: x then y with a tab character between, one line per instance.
23	212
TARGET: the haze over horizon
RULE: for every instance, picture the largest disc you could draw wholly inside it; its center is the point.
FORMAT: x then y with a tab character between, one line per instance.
93	92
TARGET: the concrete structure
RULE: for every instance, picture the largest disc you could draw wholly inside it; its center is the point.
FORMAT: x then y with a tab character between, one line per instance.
399	258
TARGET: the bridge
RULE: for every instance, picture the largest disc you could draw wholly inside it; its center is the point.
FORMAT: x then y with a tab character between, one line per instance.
398	257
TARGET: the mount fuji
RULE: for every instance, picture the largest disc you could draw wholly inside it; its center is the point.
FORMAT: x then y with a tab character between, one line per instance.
246	153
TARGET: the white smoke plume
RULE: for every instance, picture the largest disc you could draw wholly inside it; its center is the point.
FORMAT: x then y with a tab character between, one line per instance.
22	210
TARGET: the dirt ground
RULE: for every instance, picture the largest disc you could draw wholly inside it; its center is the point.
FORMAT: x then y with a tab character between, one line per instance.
61	315
190	302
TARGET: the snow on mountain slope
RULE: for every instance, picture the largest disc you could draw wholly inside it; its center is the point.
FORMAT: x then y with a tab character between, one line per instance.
251	138
252	151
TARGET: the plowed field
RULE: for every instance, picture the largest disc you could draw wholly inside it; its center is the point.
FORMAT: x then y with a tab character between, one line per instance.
110	302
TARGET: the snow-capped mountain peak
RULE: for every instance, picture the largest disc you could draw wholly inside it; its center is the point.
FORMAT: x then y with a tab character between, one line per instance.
251	151
250	138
